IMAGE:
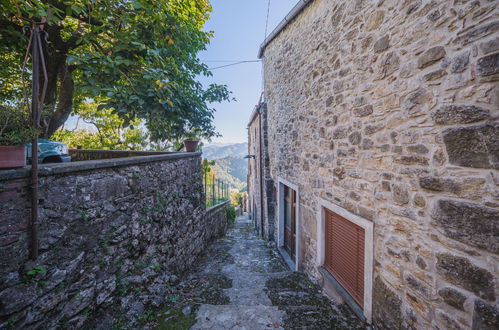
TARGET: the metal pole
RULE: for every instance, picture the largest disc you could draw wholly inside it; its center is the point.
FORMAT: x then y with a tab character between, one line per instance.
33	253
213	191
205	182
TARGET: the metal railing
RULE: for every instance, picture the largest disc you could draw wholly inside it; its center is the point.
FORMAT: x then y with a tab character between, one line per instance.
216	191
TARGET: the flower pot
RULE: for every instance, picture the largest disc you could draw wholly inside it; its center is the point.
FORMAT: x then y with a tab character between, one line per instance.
191	145
12	156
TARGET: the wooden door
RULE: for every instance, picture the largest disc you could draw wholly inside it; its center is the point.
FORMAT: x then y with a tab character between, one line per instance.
344	254
290	221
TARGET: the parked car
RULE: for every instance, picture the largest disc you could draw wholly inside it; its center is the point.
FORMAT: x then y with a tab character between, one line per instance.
49	152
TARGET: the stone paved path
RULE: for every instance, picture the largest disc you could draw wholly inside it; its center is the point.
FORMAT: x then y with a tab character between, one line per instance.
257	290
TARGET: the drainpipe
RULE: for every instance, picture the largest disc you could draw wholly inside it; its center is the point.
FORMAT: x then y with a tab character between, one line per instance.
261	167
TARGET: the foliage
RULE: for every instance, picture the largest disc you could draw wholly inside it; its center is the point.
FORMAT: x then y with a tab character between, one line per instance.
231	214
235	197
15	126
232	170
32	275
137	57
110	131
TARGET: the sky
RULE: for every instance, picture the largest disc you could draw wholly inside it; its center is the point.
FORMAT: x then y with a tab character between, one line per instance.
239	28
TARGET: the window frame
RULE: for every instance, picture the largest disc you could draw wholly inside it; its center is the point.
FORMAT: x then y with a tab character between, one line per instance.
368	227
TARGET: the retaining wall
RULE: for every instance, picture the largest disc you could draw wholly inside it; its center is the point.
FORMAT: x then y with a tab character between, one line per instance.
105	226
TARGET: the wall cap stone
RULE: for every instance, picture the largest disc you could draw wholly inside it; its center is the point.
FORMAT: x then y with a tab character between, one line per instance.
60	168
213	208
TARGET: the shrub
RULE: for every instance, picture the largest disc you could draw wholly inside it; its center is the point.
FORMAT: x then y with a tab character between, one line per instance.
231	214
15	126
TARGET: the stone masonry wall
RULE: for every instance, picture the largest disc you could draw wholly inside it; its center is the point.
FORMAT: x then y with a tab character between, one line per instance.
390	110
78	155
112	235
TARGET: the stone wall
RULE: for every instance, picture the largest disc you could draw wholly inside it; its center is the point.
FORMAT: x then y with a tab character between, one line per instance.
94	154
109	229
390	110
216	220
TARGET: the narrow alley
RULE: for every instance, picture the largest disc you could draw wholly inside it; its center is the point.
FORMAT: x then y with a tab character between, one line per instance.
260	291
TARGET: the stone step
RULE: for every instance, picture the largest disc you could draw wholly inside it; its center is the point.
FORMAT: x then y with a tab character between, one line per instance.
241	317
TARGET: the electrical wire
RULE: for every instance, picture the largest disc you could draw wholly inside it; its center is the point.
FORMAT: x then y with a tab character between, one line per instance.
241	62
224	61
267	20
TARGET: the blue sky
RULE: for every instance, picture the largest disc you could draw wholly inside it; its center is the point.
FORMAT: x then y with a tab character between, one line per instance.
239	28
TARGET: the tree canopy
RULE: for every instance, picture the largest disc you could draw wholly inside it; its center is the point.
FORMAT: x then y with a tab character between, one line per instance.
137	57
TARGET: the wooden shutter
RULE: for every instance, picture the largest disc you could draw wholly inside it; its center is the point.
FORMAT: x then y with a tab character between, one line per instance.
344	254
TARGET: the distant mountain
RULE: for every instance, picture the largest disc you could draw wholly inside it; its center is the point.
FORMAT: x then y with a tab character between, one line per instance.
230	166
217	151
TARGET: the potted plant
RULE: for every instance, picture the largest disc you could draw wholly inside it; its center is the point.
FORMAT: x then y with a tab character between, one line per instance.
191	139
15	132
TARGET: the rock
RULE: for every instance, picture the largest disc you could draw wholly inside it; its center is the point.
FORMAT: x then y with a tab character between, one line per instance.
340	132
476	33
412	160
79	302
461	272
51	235
421	263
439	184
44	305
459	114
490	46
418	149
386	307
468	223
485	316
187	310
388	65
488	65
382	44
374	20
414	101
55	278
355	138
460	62
418	286
473	146
367	144
448	321
434	75
105	290
431	56
16	298
371	129
452	297
363	111
136	309
329	101
400	194
419	200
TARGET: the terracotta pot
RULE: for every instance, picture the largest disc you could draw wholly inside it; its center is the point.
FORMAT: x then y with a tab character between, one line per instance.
12	156
191	145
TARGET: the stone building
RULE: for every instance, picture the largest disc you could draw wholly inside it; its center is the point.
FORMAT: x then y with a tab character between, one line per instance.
260	186
381	120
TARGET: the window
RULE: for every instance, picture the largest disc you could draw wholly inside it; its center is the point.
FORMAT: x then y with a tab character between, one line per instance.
344	254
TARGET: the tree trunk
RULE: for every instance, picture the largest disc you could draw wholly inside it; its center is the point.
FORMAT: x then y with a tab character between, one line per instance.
64	100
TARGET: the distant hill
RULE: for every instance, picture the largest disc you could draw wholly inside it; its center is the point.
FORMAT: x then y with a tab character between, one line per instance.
230	165
217	151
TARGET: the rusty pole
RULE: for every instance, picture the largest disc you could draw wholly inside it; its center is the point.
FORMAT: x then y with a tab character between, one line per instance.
33	252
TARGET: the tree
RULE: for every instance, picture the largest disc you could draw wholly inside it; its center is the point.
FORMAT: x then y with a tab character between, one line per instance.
138	57
109	131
